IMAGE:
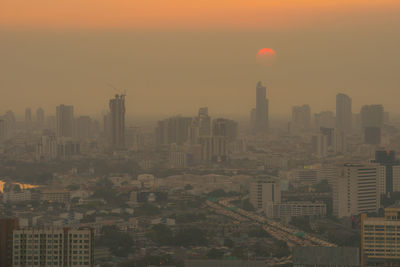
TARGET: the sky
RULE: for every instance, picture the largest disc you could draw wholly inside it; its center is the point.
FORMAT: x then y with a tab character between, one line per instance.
175	56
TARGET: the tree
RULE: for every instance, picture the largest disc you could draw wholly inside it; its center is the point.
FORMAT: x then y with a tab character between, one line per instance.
215	254
281	249
120	244
229	243
191	237
258	232
161	234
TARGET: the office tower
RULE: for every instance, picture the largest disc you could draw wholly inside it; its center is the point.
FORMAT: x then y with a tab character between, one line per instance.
343	113
83	126
336	140
301	118
117	119
40	117
46	149
357	190
204	122
390	167
319	143
213	148
225	127
380	238
324	119
371	116
28	117
371	123
7	226
174	130
67	148
264	190
65	121
261	113
53	247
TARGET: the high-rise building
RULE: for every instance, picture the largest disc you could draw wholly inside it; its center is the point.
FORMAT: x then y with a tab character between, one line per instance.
336	140
372	135
46	149
65	121
261	113
174	130
40	117
28	117
213	148
357	190
117	119
204	122
324	119
301	118
390	167
264	190
319	144
7	226
64	247
371	116
380	238
343	113
225	127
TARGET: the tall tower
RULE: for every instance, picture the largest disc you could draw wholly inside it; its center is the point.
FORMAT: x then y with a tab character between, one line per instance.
117	122
65	120
343	113
40	117
28	117
261	114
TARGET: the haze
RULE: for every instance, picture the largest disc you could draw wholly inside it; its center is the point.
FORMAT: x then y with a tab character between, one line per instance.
174	56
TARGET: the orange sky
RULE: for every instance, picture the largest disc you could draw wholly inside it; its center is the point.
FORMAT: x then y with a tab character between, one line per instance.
179	13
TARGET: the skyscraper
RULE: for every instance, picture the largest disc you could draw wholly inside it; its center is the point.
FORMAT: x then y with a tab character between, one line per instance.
117	122
261	114
204	122
28	117
40	117
343	113
301	117
371	116
65	121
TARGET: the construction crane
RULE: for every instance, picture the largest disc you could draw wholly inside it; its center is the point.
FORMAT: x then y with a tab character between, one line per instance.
119	91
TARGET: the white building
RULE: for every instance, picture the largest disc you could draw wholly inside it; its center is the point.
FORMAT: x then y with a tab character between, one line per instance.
357	190
264	191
